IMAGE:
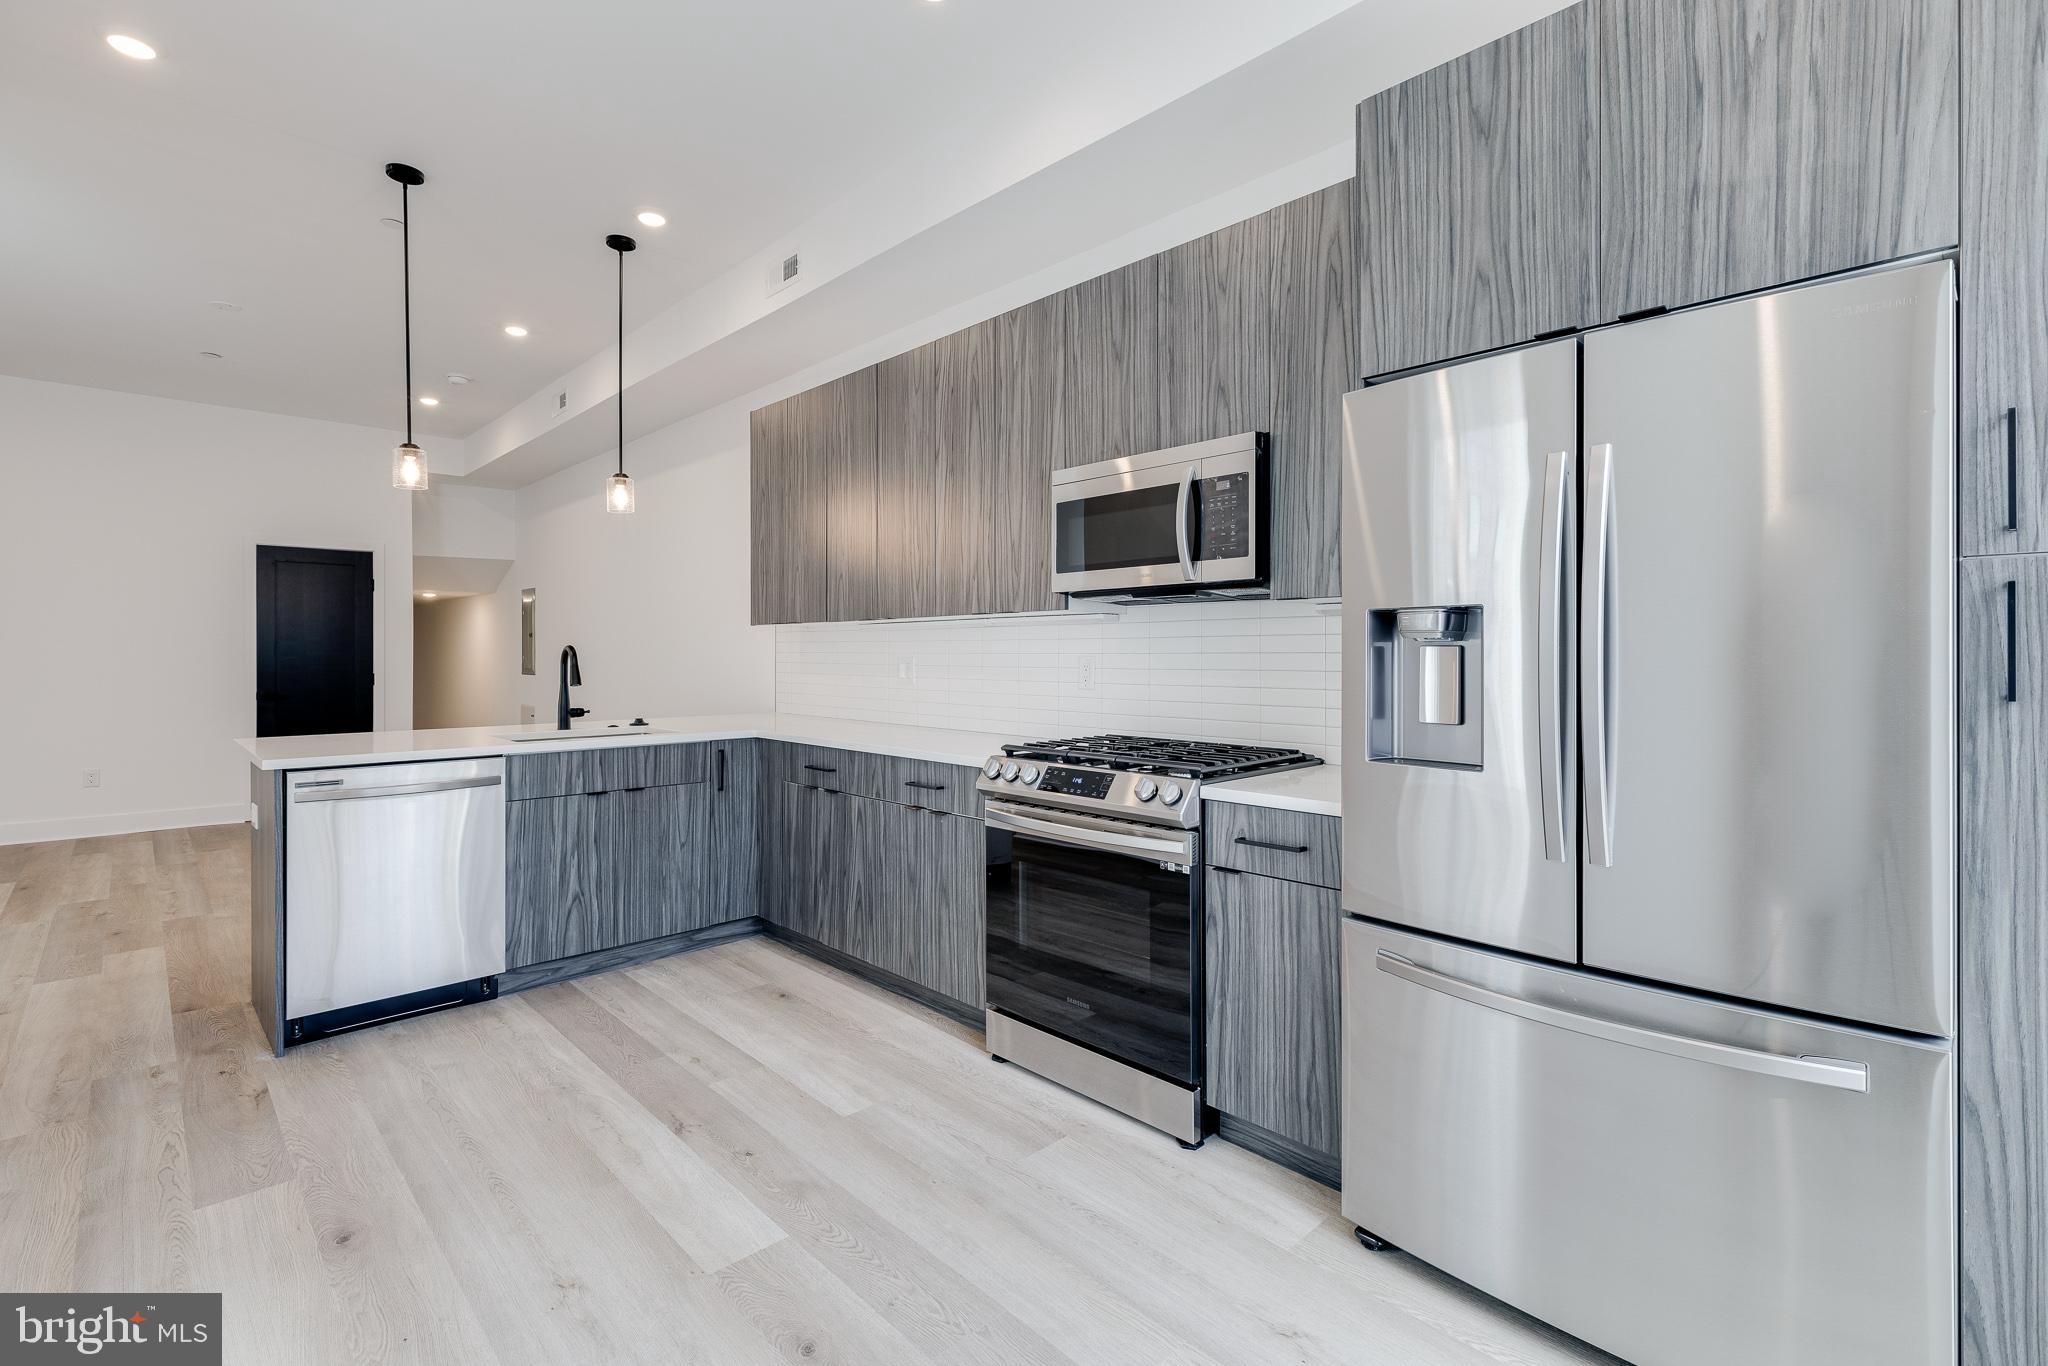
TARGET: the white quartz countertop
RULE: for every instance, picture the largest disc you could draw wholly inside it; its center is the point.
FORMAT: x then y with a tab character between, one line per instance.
966	747
1307	789
1319	790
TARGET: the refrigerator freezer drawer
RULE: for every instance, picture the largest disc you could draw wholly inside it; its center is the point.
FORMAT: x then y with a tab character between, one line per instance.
1680	1182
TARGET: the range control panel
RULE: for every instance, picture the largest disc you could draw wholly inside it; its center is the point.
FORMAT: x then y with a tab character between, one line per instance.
1226	503
1076	782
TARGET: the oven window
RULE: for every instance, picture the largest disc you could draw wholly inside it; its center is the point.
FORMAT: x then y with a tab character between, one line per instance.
1100	948
1116	530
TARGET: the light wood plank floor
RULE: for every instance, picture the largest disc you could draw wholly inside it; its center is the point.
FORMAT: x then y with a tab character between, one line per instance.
733	1156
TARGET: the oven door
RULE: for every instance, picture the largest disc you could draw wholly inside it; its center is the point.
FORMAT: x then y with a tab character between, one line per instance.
1094	934
1191	516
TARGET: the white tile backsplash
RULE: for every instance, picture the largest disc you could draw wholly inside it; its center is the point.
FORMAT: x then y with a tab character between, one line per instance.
1258	672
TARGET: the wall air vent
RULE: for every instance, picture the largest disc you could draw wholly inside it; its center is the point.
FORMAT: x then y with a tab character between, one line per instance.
785	273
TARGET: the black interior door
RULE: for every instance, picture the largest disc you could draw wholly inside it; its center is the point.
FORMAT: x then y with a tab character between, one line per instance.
314	641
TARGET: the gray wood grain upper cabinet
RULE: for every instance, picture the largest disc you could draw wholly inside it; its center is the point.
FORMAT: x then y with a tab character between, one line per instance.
907	577
967	481
788	582
2004	278
1476	200
2002	1038
1030	346
1257	334
839	420
1274	1040
1112	388
1751	143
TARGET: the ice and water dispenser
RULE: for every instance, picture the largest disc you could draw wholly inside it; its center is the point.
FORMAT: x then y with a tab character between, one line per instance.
1427	685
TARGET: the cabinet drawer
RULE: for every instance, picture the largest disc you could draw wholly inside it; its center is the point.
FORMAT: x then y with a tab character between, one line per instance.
569	772
1296	845
907	782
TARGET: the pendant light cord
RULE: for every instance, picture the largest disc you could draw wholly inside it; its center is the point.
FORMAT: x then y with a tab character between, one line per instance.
405	250
622	362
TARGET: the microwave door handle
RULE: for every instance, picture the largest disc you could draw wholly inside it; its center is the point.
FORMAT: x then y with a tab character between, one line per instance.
1183	505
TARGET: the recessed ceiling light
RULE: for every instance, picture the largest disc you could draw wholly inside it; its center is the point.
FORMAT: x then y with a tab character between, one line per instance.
652	218
209	355
514	330
392	222
429	401
457	377
131	47
430	596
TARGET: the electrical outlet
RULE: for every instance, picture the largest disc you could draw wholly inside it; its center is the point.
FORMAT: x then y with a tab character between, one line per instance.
1087	665
903	670
526	713
92	777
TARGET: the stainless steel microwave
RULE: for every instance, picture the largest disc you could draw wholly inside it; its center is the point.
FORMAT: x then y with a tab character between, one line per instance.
1189	519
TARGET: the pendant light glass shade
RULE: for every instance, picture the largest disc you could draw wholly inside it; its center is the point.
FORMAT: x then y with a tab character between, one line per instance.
618	493
409	468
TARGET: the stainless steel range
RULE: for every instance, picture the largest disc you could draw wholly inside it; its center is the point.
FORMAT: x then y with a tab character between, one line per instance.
1095	914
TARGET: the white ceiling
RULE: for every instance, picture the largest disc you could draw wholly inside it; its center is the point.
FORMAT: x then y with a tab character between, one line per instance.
245	165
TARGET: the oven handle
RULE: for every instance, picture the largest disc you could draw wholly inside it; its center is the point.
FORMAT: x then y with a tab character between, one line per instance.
1082	833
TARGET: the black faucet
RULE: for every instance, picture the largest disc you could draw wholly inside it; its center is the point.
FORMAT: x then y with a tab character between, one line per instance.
572	676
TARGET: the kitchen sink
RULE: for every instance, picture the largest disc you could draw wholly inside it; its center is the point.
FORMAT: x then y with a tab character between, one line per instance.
610	732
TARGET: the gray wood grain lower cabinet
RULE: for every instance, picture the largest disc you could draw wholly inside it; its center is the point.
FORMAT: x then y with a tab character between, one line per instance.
2003	334
1274	1038
931	876
1751	143
2002	731
555	904
734	888
655	847
1476	200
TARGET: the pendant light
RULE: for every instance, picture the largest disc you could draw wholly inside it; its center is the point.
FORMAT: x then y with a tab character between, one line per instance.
618	490
408	462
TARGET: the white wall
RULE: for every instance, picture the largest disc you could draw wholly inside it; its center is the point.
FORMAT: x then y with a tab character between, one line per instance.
128	535
465	656
465	522
656	603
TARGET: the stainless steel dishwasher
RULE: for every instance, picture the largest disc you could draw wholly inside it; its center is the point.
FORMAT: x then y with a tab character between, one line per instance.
394	891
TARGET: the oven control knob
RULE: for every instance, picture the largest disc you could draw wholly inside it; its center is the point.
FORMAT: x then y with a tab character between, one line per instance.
1172	795
1147	789
1030	774
1010	773
993	768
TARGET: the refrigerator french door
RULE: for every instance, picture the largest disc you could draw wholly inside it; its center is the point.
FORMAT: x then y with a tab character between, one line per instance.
1648	826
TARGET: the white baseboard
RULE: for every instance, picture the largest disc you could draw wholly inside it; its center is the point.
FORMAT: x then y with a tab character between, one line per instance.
121	823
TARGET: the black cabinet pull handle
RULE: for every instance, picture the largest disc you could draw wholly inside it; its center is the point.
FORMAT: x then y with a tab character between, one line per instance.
818	768
2012	640
1282	848
721	770
1219	868
601	792
2012	469
929	787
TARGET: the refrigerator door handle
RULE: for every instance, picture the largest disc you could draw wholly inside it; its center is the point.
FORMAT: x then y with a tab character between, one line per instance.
1553	685
1597	614
1835	1072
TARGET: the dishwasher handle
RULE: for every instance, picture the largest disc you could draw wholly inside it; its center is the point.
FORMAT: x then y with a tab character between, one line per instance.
311	792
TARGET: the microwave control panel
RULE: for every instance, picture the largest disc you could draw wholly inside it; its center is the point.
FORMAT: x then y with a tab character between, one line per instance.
1226	503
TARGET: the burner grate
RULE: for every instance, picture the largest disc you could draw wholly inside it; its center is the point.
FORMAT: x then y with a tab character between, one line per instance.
1150	754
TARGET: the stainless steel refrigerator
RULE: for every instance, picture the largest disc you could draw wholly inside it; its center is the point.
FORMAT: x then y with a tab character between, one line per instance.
1648	826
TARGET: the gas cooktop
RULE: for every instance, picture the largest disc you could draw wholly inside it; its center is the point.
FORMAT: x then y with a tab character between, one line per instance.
1127	777
1181	758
